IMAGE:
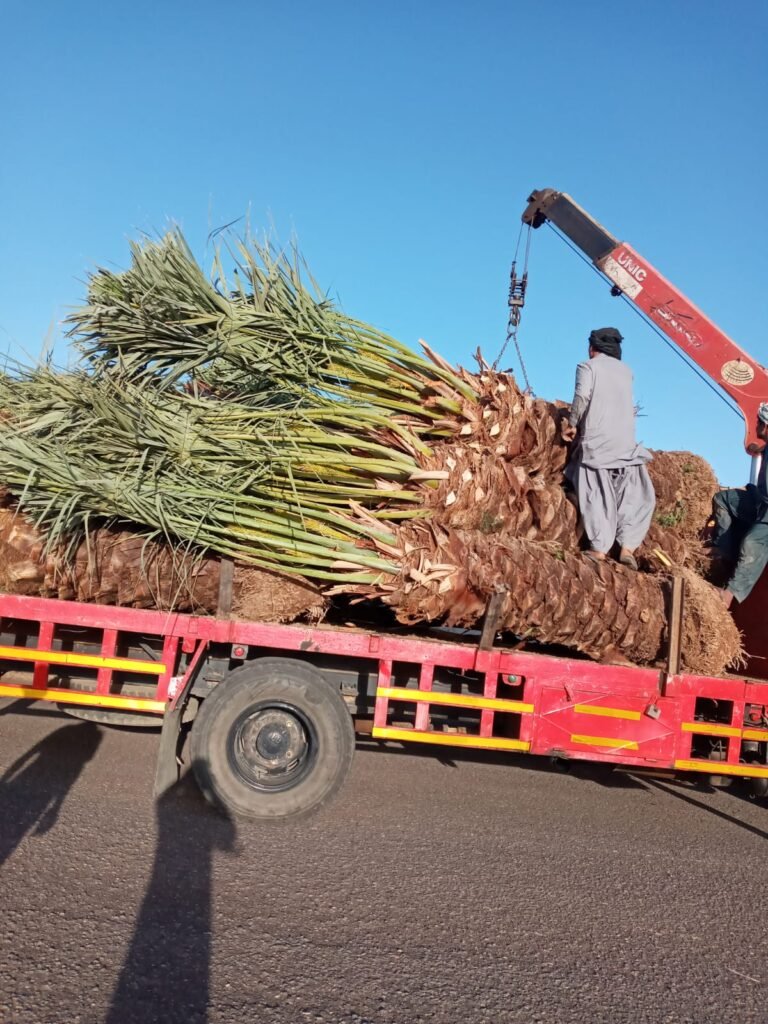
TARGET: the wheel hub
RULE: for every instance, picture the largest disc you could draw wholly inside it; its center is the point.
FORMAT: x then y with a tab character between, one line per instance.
275	736
270	747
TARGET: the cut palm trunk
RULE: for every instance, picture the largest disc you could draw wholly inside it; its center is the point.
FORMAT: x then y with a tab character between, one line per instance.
559	598
122	568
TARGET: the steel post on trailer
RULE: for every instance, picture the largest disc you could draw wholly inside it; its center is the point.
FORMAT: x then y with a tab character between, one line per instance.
675	629
167	769
226	587
491	621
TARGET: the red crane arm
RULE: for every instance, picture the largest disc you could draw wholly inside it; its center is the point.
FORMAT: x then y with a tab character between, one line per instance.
630	274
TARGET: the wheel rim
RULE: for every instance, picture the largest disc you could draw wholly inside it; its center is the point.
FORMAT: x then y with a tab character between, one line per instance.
272	746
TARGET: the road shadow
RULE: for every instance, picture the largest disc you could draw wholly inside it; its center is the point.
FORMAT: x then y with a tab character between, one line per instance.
612	776
674	790
22	706
35	786
166	974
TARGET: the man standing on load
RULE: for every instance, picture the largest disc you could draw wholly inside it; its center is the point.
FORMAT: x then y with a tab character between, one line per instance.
607	466
741	526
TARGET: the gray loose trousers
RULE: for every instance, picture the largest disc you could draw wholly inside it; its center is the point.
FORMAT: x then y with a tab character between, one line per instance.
615	504
607	468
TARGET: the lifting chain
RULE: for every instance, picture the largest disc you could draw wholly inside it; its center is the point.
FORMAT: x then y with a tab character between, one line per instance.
516	301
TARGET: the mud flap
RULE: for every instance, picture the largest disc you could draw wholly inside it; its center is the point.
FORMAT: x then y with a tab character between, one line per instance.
167	769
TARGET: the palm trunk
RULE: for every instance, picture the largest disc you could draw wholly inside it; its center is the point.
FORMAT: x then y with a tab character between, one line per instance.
123	568
558	597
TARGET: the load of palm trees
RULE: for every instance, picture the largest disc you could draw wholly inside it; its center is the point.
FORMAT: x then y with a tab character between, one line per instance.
245	417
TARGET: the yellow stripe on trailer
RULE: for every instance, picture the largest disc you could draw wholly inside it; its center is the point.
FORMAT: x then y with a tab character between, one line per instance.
604	741
597	709
152	668
721	768
755	734
710	729
448	739
94	700
454	700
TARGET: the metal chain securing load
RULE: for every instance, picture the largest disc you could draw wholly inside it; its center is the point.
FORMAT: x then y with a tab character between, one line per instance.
516	301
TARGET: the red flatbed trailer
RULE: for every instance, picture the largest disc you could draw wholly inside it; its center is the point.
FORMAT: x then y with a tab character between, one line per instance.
274	708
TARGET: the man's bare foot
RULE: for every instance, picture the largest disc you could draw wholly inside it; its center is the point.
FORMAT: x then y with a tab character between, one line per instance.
613	656
726	597
595	556
627	557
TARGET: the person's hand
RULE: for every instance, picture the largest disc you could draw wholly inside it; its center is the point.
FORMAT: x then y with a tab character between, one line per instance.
567	431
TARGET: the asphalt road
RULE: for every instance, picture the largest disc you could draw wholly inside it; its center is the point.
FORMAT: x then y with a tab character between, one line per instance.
433	889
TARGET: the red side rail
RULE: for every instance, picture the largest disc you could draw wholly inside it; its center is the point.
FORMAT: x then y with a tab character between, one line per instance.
520	701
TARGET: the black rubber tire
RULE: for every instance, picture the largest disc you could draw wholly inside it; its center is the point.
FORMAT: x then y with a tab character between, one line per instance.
113	716
291	688
102	716
758	788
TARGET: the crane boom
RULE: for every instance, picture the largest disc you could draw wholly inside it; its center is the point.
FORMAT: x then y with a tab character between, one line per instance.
691	330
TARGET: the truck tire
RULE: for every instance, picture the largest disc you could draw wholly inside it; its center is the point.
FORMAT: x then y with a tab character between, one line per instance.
273	741
102	716
112	716
758	788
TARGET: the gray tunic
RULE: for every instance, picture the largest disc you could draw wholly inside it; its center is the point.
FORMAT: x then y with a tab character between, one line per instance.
604	411
607	466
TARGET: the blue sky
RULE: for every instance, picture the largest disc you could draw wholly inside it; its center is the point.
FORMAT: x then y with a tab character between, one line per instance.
399	142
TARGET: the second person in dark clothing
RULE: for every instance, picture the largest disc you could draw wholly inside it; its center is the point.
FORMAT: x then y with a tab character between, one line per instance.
741	526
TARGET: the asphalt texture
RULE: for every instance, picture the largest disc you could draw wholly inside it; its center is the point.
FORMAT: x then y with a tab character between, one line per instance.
434	888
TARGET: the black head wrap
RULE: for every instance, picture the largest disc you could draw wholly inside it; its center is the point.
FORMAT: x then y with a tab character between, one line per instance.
606	340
